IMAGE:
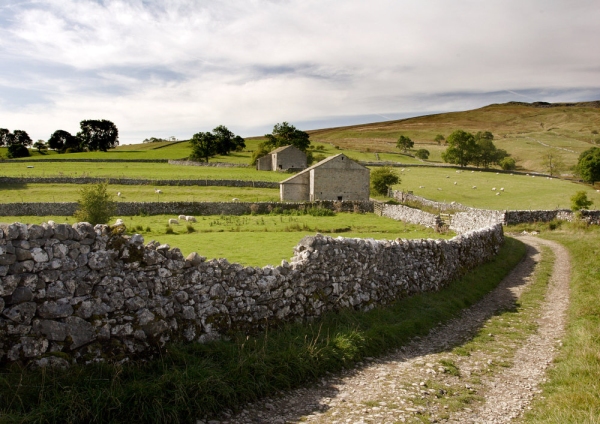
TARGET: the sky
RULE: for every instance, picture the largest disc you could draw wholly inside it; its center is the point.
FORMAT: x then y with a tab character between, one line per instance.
175	67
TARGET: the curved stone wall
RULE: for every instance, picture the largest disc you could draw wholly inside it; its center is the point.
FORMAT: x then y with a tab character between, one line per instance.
93	294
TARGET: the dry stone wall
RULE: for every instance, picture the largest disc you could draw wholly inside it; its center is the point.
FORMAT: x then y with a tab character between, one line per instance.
93	294
181	208
411	215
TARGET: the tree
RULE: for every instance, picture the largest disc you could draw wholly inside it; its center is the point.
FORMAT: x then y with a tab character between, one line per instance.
17	142
552	163
422	154
62	140
98	135
262	150
226	141
508	164
462	148
41	147
404	143
588	165
204	145
438	139
580	201
284	135
382	179
96	205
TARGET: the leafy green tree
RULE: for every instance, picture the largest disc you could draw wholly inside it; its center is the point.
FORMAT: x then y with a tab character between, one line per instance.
462	148
96	205
98	135
588	165
382	179
204	145
285	134
262	150
404	143
552	163
226	141
438	139
5	137
62	140
508	164
18	142
580	201
41	147
422	154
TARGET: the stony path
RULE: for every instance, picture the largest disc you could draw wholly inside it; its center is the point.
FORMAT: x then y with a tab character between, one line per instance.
425	382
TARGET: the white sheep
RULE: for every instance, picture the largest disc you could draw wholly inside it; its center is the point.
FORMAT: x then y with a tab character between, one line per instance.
182	217
439	189
118	194
119	222
173	222
190	219
493	188
501	188
474	186
497	194
421	186
447	176
157	191
235	199
454	182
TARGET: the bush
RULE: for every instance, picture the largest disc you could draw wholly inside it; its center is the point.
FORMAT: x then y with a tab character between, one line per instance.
422	154
190	228
382	179
17	151
169	230
580	201
96	205
508	164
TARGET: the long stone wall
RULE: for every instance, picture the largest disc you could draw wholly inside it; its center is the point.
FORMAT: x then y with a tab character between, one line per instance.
406	197
209	164
138	181
93	294
180	208
411	215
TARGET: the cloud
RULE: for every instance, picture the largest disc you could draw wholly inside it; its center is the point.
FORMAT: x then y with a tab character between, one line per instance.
179	67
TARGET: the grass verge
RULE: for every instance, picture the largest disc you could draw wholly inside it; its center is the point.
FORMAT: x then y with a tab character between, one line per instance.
195	380
572	393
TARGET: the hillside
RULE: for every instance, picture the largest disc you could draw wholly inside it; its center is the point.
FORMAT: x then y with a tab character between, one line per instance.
525	130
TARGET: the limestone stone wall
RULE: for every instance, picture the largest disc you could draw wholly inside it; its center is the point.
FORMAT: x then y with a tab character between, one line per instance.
403	196
138	181
411	215
93	294
178	208
209	164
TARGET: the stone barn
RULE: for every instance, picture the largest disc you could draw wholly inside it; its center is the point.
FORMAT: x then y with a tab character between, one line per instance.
286	158
335	178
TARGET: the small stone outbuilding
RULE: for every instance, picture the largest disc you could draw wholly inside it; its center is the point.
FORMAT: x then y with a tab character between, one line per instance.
286	158
335	178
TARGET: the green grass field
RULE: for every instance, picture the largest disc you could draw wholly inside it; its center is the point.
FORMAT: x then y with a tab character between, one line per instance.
520	191
237	237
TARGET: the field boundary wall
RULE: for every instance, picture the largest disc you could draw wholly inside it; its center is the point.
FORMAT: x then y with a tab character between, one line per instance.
83	294
138	181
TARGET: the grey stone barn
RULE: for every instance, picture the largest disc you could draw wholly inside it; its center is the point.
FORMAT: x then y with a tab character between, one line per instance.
284	158
335	178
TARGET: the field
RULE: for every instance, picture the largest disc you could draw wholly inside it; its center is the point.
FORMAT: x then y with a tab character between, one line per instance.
237	237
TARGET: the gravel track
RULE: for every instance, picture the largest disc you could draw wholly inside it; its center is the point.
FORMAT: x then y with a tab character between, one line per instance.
405	386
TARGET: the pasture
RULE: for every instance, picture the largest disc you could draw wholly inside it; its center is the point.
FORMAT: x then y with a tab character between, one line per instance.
255	240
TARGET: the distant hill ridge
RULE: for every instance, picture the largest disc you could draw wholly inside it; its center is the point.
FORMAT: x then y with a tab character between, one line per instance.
593	103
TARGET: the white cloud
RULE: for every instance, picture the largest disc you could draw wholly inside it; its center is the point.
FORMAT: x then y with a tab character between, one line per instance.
185	66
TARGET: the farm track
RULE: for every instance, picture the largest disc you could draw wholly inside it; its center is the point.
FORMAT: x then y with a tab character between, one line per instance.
410	385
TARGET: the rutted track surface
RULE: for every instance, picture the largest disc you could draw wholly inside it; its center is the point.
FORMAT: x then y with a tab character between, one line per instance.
388	389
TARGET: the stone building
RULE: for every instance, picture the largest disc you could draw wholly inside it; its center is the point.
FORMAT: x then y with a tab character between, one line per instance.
286	158
335	178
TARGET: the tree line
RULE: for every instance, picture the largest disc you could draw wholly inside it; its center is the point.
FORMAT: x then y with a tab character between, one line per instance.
94	135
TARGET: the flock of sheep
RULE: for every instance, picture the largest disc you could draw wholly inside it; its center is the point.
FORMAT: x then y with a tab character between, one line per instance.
186	218
474	187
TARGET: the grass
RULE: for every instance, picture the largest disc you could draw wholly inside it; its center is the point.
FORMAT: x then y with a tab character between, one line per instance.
236	237
572	393
192	381
24	193
520	191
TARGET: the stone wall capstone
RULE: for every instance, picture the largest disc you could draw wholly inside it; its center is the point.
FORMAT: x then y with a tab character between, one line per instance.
411	215
93	294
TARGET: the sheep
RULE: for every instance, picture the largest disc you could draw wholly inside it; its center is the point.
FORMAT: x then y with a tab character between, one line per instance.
190	219
474	186
182	217
118	194
157	191
454	182
119	222
439	189
173	222
458	172
493	188
447	176
235	199
421	186
501	188
497	194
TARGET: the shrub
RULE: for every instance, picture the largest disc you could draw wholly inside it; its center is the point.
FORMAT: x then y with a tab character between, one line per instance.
169	230
96	205
422	154
190	228
508	164
580	201
316	211
382	179
254	208
148	229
